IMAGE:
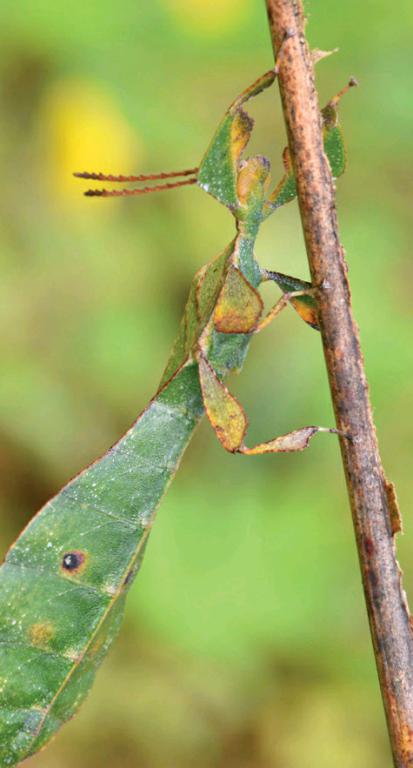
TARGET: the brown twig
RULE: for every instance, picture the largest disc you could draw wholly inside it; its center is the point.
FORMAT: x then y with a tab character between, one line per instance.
372	498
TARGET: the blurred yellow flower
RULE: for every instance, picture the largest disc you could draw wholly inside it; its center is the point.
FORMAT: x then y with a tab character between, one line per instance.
208	18
84	129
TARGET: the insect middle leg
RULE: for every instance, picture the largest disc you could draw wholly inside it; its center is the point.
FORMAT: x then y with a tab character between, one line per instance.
299	293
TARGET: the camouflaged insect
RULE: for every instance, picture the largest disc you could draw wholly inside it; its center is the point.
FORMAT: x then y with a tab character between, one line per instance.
64	582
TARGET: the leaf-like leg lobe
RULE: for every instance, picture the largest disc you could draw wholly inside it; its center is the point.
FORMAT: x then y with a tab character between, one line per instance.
297	440
239	306
224	412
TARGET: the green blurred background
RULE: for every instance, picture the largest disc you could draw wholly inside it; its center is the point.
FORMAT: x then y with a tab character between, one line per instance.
245	643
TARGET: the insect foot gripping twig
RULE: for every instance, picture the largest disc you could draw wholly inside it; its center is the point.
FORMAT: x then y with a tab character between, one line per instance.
287	35
371	502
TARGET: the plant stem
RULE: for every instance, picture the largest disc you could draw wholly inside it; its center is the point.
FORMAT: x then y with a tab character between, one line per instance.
372	499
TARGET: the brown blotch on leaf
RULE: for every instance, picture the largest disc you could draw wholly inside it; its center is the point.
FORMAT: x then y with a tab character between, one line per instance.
40	634
73	562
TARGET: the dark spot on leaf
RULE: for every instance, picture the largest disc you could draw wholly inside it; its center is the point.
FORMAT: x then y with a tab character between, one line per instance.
73	561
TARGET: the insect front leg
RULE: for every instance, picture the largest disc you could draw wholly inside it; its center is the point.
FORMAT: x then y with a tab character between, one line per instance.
230	423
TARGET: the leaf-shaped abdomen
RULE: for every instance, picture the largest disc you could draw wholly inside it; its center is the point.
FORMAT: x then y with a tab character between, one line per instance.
63	584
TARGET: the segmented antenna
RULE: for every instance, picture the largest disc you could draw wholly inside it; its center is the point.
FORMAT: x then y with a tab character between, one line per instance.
138	191
141	177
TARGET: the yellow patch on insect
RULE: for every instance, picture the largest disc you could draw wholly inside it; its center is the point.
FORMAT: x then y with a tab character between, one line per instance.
241	128
40	634
253	178
307	312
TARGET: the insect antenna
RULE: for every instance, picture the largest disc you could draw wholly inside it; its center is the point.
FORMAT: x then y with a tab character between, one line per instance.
141	177
138	190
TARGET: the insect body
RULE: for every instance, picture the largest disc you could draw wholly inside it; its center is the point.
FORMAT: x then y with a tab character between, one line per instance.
64	581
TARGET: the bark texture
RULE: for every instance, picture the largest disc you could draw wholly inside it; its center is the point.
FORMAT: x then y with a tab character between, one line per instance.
373	502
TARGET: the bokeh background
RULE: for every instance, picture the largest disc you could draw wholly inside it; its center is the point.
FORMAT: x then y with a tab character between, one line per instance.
245	642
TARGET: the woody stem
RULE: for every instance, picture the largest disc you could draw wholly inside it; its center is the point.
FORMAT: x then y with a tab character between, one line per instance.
372	498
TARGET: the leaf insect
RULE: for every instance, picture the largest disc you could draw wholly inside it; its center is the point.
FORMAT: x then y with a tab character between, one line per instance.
64	581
